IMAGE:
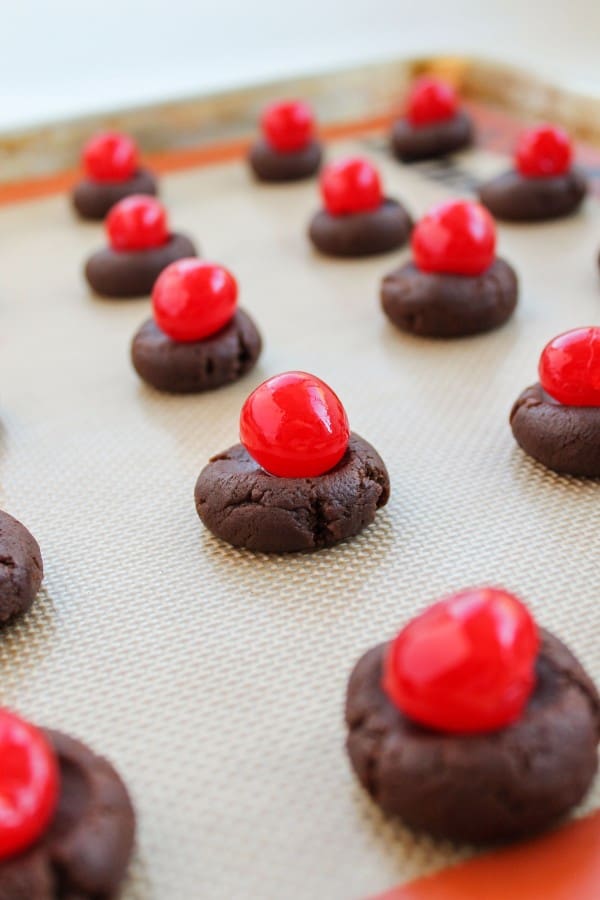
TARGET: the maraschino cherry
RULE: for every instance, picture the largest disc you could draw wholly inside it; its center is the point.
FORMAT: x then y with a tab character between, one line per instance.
294	426
457	238
29	784
193	299
466	664
431	100
569	367
543	152
110	156
137	222
351	186
288	126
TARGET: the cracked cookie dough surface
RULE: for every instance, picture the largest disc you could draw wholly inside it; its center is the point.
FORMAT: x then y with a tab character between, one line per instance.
245	506
191	367
485	787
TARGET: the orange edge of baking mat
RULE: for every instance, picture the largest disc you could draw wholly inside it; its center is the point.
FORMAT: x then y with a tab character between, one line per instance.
562	865
176	160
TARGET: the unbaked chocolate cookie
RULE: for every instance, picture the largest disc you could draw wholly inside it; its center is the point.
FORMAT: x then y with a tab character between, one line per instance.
140	247
564	438
412	143
446	306
195	366
123	275
288	149
247	507
299	480
21	569
94	199
85	852
361	234
479	788
198	339
269	164
501	762
433	126
112	172
516	198
454	287
543	185
557	421
357	220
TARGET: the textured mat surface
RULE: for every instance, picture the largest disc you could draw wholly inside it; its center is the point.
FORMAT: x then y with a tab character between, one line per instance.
215	679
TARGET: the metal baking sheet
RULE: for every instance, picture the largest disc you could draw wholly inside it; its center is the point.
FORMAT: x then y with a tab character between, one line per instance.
213	678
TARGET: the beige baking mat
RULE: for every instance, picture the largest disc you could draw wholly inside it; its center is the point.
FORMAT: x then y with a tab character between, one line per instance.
214	678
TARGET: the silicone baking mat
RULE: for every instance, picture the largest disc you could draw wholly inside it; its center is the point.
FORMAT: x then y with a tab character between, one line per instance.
214	678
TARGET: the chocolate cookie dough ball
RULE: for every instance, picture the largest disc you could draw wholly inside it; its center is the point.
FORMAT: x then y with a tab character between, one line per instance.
433	126
21	569
288	149
456	285
557	421
473	724
198	339
111	165
140	247
299	480
543	185
357	220
69	831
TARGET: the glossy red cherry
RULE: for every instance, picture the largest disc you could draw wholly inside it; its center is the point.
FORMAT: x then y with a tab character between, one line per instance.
137	223
351	186
430	101
294	426
110	156
544	151
29	784
569	367
288	125
456	237
193	299
466	664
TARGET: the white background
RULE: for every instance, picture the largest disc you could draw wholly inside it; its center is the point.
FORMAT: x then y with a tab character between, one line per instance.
66	57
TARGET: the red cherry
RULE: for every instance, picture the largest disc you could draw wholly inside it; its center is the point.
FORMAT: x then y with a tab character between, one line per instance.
110	156
544	151
431	100
137	223
351	186
288	125
569	367
29	782
294	426
466	664
456	237
193	299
